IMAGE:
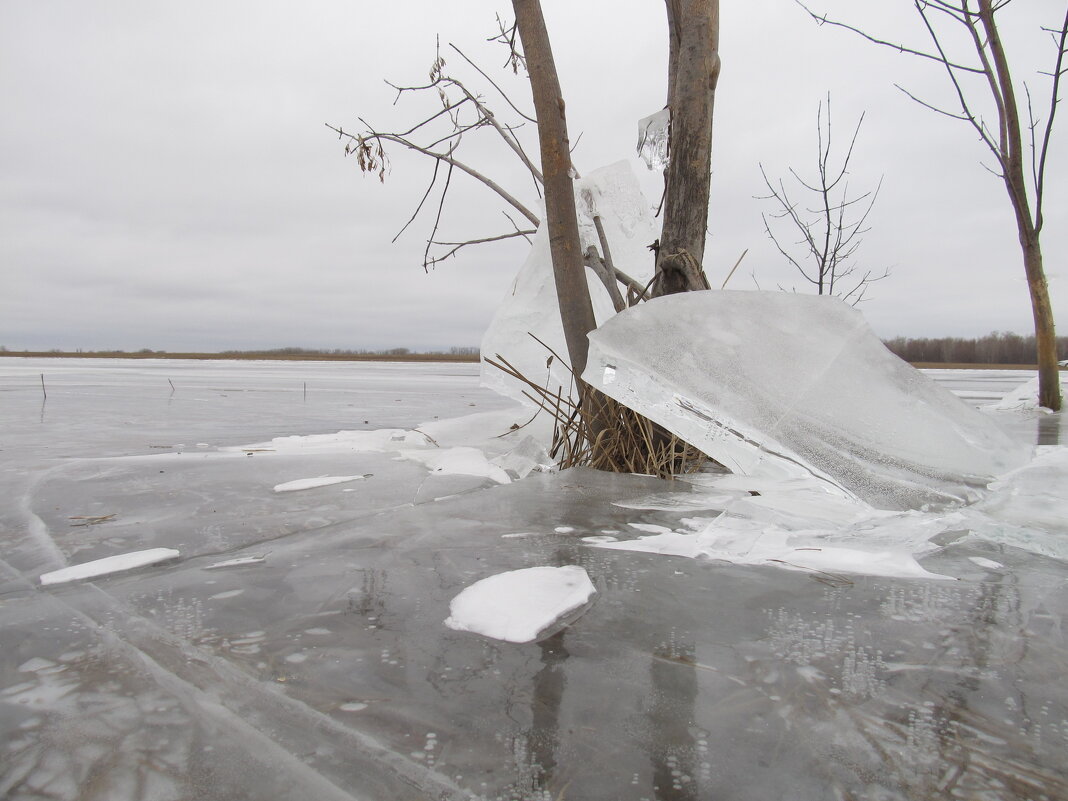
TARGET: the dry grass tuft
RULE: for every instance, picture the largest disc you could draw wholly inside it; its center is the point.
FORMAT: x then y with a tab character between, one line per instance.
600	432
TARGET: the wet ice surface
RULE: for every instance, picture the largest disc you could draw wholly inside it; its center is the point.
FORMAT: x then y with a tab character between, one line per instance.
320	666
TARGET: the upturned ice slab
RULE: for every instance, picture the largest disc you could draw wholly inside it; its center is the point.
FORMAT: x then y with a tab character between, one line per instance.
781	386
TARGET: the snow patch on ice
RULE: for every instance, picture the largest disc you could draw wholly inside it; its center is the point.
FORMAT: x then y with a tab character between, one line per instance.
109	565
522	605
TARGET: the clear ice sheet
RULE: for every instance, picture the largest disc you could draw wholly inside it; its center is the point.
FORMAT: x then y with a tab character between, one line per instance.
324	670
785	385
653	135
530	308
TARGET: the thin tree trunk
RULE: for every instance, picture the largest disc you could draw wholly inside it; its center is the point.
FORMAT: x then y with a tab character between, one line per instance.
1011	147
694	71
576	310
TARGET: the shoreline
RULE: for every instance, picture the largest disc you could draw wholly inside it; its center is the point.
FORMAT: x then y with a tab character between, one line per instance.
378	357
249	356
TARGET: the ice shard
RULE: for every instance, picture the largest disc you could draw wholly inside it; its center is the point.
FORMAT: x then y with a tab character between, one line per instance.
530	308
653	134
784	385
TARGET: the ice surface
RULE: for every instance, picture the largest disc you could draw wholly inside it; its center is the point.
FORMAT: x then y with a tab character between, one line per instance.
531	306
329	674
522	605
108	565
311	483
653	133
786	386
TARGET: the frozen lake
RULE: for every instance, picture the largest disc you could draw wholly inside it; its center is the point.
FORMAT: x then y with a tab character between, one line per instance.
320	666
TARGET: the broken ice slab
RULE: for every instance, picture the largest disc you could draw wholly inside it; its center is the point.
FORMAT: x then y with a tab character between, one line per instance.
108	565
653	133
530	307
793	386
522	605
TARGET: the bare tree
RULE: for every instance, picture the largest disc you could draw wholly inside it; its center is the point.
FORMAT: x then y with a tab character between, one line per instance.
693	73
1024	183
830	223
458	114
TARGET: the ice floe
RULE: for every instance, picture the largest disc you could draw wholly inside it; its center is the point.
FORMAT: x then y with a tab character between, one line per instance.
311	483
522	605
109	564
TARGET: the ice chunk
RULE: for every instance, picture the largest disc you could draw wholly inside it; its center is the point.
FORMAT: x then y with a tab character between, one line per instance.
1025	397
240	561
459	461
780	386
310	483
109	564
653	132
522	605
530	307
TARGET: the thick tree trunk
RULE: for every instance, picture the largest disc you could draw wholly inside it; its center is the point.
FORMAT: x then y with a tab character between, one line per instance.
576	310
693	73
1049	379
1011	148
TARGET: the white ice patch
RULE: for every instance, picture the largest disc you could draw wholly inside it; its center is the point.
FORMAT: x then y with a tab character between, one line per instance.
748	542
240	561
109	564
988	564
1025	397
459	461
522	605
310	483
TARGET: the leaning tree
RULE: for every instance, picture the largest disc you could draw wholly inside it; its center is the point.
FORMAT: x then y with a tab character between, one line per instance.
985	63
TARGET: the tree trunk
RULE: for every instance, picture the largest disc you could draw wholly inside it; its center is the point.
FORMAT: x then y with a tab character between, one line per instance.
1011	147
1049	379
693	28
576	310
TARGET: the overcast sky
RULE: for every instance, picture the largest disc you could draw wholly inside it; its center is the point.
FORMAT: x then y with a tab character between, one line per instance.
167	180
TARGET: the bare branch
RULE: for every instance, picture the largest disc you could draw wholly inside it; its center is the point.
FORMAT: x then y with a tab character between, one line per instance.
502	93
825	20
448	159
1061	38
456	246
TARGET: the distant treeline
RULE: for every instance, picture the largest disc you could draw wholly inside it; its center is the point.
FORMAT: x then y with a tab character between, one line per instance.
464	354
996	348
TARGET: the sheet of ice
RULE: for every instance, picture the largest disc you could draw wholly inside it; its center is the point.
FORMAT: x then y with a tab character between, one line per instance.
785	386
379	440
108	565
531	306
240	561
311	483
739	540
1025	397
459	461
653	139
1033	495
522	605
